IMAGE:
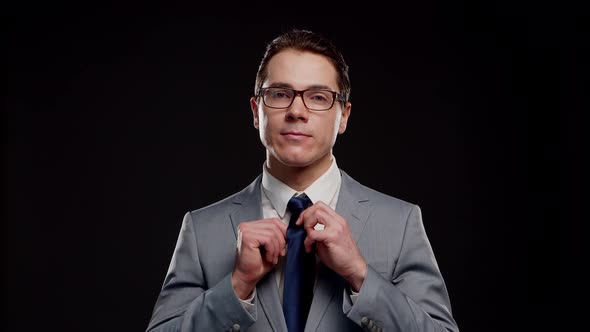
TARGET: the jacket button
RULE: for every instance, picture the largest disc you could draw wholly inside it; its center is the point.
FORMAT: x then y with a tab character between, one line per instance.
364	321
235	328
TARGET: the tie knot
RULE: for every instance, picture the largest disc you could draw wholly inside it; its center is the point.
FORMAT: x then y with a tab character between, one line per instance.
298	203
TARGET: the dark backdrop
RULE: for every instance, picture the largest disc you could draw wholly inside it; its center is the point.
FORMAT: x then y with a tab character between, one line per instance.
118	120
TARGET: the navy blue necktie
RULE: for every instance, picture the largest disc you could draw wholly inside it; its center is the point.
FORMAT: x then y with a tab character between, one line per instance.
299	270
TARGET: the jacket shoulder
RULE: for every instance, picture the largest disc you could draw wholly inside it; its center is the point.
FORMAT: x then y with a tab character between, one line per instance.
379	199
228	203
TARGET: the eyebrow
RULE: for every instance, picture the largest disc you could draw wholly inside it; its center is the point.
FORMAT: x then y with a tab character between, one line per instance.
287	85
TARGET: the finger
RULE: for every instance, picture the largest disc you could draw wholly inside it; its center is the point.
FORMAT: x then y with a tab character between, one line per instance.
263	237
305	213
308	243
327	210
281	237
274	230
270	244
306	216
239	241
279	242
316	217
279	230
281	226
316	236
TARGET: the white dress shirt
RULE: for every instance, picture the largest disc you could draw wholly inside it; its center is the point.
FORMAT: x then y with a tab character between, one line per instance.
275	196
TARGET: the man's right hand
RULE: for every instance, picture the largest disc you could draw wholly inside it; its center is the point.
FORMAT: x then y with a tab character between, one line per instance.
260	243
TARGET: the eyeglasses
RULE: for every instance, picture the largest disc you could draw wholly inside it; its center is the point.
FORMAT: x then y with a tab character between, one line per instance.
313	99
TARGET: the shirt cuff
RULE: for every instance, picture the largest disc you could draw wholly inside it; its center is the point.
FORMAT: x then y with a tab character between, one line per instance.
248	303
350	297
353	296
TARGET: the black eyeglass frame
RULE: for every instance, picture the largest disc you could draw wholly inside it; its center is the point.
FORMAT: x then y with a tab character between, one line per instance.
335	96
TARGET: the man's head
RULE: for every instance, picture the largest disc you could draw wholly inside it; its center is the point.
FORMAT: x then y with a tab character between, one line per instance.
304	40
298	128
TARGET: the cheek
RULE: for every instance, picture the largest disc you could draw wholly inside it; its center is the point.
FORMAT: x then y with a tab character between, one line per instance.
266	128
330	128
336	125
262	123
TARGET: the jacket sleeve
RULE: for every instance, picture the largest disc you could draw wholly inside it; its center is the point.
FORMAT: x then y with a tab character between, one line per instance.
415	299
187	303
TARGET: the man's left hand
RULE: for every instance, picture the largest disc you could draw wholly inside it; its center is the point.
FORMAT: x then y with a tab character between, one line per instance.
334	244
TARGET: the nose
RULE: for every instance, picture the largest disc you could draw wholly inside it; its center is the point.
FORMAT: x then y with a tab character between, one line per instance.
297	110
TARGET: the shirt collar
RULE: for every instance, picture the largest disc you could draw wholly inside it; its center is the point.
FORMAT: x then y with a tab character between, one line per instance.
323	189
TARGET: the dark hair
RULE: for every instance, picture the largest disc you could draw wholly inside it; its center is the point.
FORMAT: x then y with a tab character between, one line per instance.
305	40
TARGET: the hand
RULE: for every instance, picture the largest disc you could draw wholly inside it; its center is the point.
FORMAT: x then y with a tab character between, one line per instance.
334	244
260	243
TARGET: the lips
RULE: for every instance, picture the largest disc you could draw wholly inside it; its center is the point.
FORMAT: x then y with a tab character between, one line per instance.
295	135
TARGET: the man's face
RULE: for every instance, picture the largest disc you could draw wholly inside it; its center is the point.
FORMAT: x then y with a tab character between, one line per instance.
296	136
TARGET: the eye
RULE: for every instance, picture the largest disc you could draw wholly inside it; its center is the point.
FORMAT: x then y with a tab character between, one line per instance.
280	93
319	96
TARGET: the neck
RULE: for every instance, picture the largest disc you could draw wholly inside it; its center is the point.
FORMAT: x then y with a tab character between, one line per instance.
298	178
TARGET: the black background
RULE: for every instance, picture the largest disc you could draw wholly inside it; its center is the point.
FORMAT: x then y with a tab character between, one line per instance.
117	120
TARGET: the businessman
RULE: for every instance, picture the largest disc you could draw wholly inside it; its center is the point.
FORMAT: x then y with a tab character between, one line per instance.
304	247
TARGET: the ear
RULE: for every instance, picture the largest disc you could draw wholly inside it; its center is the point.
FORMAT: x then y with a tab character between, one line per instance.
254	107
344	118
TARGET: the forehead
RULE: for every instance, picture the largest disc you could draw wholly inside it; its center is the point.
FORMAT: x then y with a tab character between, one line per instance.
301	69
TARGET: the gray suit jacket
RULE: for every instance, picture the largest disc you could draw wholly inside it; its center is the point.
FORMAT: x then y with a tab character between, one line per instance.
403	289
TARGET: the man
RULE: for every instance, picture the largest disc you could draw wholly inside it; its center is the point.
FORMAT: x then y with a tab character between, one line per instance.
364	258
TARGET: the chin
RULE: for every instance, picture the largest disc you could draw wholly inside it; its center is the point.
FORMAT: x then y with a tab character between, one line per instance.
295	161
294	158
297	158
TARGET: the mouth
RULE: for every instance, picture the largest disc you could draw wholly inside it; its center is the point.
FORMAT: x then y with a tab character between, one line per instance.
295	135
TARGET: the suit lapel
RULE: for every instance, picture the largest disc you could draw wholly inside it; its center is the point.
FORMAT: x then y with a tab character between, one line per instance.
248	208
268	296
328	282
350	208
248	205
